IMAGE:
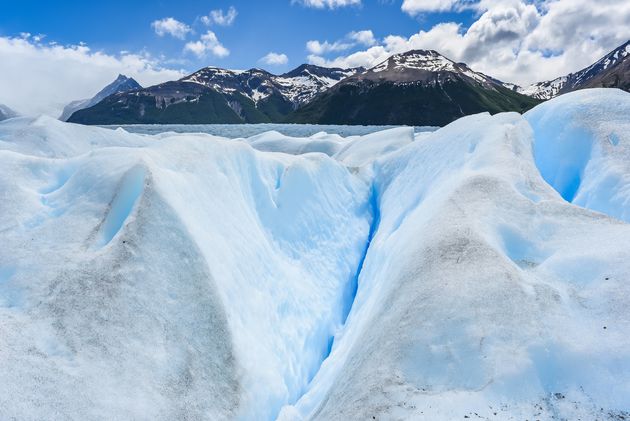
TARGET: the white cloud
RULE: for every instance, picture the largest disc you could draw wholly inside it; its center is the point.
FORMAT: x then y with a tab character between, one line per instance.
42	78
208	43
275	59
220	18
172	27
317	47
365	58
362	37
414	7
352	39
514	40
327	4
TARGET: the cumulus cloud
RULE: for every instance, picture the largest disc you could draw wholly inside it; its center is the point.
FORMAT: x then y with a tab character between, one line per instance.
207	44
513	40
319	48
414	7
362	37
352	39
172	27
327	4
275	59
218	17
366	58
42	78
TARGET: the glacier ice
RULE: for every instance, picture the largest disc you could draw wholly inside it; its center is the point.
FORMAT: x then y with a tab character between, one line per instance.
479	270
482	292
582	147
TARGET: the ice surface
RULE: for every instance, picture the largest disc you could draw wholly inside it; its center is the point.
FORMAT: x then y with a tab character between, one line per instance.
359	151
273	141
582	147
483	294
394	275
151	275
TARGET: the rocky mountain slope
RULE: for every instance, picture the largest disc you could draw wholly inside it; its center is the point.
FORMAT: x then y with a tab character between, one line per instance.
6	112
214	95
414	88
121	84
611	71
419	87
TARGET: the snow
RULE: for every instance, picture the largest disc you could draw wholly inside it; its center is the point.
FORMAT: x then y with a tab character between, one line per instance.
461	272
428	61
551	89
545	90
425	60
297	89
301	89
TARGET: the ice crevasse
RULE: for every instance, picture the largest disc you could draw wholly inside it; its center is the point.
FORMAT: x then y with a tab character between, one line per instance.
478	270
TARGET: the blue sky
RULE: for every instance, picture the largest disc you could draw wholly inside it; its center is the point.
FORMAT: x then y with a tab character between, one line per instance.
156	41
259	27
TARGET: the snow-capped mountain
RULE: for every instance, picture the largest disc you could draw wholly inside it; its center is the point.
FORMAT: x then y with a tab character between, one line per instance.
418	66
6	112
121	84
611	71
297	86
302	84
215	95
418	87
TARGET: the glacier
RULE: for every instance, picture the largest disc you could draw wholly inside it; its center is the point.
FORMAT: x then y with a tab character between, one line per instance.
476	271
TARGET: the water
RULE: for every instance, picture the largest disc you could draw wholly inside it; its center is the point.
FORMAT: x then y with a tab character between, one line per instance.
234	131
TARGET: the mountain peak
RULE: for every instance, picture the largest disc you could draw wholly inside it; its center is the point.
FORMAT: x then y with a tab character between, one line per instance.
6	112
122	83
419	52
428	60
616	56
336	73
297	86
424	66
256	95
611	71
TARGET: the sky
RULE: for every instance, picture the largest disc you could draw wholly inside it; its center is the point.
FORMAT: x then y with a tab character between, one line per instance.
54	52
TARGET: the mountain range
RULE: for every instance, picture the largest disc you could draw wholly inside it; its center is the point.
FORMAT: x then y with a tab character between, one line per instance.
214	95
418	87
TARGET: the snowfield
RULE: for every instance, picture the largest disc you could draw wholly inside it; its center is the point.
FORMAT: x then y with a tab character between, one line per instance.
479	271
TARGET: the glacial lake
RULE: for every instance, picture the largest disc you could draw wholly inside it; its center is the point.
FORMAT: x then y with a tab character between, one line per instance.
233	131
